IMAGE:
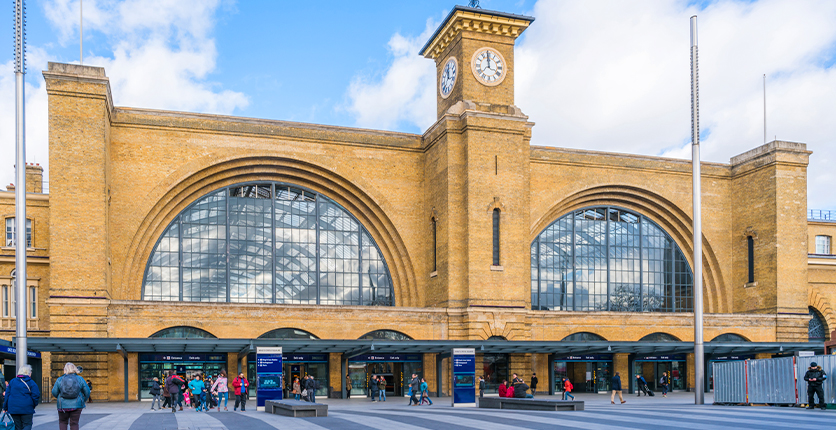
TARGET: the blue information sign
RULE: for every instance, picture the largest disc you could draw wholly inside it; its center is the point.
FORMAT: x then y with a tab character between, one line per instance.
269	370
464	376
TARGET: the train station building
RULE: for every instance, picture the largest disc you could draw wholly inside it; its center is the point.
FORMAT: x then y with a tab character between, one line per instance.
180	241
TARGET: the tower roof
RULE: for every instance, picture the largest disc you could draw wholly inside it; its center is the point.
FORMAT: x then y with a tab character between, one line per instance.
479	20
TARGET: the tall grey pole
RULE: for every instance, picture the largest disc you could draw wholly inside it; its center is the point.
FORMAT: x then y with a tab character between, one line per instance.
20	179
699	357
764	108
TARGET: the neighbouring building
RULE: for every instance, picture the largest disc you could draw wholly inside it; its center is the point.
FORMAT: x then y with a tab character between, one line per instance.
230	232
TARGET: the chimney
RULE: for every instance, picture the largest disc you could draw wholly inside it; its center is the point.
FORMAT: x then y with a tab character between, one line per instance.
10	187
34	178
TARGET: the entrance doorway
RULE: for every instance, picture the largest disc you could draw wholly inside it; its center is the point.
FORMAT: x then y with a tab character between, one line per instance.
186	366
588	374
652	368
396	369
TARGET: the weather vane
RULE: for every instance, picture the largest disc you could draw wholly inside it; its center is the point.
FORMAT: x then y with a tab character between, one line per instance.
474	4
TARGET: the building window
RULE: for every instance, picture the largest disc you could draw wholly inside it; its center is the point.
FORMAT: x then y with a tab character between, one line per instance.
607	258
816	330
288	333
823	245
496	237
729	337
183	332
385	335
750	246
10	232
33	302
435	245
267	243
583	337
7	297
660	337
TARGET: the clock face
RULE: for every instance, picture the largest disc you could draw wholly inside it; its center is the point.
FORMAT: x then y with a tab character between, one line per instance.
448	77
489	66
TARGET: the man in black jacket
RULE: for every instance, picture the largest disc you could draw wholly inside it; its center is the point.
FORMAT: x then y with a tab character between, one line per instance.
520	390
534	384
815	377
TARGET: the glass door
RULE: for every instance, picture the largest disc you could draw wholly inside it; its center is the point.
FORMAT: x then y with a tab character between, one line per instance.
678	375
560	373
359	379
602	376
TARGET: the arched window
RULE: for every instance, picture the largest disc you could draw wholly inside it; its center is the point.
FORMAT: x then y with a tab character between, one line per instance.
496	237
816	329
384	335
183	332
583	337
729	337
267	243
497	338
287	333
607	258
659	337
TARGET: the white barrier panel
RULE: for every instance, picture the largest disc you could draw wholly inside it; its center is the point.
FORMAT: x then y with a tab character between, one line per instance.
729	382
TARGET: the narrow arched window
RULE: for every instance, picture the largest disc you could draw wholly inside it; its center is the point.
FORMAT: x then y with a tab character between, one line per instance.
496	237
435	245
750	244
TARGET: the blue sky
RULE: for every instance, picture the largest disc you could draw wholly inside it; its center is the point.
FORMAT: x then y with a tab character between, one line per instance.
595	74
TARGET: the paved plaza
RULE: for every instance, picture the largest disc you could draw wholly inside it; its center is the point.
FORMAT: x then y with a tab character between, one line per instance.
676	411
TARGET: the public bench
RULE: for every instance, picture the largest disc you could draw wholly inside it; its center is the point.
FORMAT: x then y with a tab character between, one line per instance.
535	404
296	408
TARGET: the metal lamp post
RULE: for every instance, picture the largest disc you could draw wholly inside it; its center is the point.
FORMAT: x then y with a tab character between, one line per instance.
699	357
20	186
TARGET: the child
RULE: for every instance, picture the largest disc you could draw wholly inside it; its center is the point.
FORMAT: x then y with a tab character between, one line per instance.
567	389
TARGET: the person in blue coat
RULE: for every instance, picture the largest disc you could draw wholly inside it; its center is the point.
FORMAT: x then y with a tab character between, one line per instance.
616	388
71	392
22	396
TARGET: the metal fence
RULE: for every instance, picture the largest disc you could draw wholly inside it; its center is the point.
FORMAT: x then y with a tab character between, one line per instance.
828	364
771	380
821	215
729	382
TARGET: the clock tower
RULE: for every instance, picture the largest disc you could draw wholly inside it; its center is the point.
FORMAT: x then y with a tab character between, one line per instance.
473	51
478	175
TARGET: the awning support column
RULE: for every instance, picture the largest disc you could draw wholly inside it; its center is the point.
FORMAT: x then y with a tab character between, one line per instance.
344	372
551	374
125	366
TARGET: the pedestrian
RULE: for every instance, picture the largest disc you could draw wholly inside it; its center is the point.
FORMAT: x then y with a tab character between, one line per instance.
166	396
196	387
173	384
2	386
515	380
534	382
520	390
155	392
415	387
297	389
664	381
642	385
347	386
381	385
311	385
22	397
90	386
567	389
503	388
815	376
374	388
425	392
616	388
481	387
510	391
240	385
71	393
221	387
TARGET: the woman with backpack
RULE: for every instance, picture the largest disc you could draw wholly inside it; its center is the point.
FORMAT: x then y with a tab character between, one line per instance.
567	389
71	393
155	392
664	383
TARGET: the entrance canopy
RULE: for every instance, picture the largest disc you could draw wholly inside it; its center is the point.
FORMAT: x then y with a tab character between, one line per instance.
357	347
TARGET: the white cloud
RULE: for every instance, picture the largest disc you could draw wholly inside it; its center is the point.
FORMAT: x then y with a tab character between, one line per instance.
160	55
403	95
615	76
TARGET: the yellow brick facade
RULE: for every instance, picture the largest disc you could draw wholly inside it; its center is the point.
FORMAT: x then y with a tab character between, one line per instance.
119	176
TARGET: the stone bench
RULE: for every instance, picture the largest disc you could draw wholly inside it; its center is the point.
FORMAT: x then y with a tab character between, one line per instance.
296	408
535	404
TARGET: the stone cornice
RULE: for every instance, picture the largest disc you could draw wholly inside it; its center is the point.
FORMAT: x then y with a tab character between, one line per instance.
82	74
476	20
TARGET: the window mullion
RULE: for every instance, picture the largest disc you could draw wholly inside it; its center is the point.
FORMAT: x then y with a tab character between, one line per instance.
226	241
180	254
318	254
607	251
574	265
641	266
273	238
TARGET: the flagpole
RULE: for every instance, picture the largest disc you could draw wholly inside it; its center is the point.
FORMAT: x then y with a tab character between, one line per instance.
20	185
699	356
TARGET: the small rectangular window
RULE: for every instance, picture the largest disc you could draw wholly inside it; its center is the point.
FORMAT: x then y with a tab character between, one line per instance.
823	245
435	246
496	237
750	242
5	301
33	301
10	232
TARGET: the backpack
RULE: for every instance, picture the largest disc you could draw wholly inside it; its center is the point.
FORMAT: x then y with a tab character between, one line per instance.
70	387
662	380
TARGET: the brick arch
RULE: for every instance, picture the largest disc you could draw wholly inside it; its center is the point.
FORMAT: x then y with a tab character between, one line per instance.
671	218
820	303
199	177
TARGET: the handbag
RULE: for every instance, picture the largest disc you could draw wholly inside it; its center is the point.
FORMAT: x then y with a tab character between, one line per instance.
305	392
4	425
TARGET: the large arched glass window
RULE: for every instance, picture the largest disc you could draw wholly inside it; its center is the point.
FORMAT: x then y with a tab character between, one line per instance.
183	332
583	337
729	337
384	335
816	331
288	333
607	258
660	337
267	243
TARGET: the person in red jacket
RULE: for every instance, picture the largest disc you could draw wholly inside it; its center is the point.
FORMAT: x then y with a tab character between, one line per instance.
240	384
503	389
567	389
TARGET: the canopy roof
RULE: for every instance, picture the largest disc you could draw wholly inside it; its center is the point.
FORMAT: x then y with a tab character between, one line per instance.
356	347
